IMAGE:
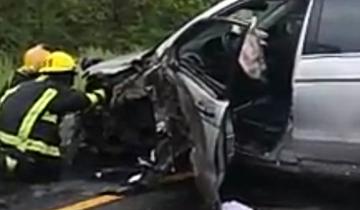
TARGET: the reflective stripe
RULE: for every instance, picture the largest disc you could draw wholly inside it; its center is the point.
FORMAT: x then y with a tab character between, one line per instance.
14	89
10	139
34	112
8	93
92	97
11	163
100	92
41	147
41	78
29	145
53	118
22	141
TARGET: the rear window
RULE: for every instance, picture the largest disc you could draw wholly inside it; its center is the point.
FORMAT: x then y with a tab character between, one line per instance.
336	29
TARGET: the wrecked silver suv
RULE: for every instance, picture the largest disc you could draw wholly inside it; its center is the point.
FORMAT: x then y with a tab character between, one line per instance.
191	98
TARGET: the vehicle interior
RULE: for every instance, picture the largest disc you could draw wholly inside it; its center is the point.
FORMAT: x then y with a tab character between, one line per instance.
262	125
261	109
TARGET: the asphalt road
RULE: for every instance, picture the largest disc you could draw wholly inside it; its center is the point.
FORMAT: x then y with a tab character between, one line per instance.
261	191
182	196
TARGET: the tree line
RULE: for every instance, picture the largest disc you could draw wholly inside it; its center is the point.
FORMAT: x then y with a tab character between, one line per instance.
116	25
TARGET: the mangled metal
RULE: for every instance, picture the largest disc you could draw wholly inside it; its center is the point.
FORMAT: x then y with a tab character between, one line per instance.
165	118
218	81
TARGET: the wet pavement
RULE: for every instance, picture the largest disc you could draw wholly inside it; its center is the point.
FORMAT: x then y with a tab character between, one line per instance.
273	191
262	195
260	191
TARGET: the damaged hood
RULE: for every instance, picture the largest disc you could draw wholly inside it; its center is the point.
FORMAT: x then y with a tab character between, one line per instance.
116	64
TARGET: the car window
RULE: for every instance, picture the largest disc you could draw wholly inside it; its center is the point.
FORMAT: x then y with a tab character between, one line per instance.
336	29
202	47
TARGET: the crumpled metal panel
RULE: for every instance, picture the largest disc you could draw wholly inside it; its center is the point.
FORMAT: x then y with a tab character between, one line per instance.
204	116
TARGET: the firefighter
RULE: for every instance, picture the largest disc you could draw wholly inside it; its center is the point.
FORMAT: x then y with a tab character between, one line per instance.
30	114
33	60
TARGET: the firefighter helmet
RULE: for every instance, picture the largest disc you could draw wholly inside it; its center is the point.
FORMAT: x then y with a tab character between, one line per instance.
58	62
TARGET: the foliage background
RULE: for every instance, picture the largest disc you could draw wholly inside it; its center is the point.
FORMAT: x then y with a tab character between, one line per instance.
76	25
88	27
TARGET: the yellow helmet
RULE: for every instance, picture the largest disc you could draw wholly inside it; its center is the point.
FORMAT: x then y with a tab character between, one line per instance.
58	62
34	58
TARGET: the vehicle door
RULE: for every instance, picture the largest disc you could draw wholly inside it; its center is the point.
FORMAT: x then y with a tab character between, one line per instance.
193	64
327	84
261	109
201	59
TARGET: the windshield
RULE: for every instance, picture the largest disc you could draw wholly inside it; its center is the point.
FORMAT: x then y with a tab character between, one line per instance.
228	9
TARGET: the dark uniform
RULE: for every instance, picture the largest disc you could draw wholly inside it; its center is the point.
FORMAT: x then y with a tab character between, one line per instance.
30	114
18	77
21	76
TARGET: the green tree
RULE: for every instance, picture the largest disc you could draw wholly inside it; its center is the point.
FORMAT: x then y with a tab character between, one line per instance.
117	25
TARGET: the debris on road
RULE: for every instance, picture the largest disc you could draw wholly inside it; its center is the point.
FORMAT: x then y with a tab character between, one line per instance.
234	205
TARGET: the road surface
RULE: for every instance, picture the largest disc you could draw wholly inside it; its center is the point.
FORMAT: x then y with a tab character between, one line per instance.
78	194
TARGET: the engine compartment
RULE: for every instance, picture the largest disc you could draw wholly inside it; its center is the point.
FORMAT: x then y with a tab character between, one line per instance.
143	123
